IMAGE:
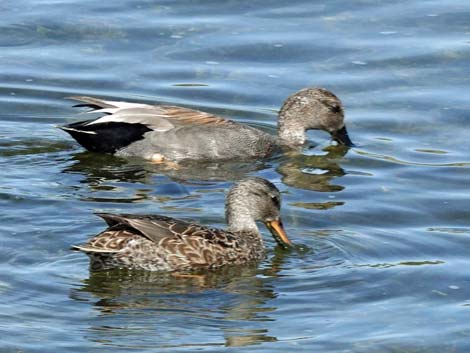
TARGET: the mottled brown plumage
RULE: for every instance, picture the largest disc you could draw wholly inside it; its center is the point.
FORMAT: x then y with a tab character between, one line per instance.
159	243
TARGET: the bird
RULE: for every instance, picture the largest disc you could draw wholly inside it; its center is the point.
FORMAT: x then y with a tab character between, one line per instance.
166	133
160	243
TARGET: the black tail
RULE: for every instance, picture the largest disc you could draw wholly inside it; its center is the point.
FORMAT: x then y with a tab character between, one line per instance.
106	137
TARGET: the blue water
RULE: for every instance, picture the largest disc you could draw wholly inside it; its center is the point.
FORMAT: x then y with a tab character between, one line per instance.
382	230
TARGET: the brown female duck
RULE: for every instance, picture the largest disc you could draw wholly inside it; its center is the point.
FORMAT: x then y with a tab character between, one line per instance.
158	243
170	133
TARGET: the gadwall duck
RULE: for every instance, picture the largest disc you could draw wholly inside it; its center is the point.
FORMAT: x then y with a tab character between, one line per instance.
158	243
169	133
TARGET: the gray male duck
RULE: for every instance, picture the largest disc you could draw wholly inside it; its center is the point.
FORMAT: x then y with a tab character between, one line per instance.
162	133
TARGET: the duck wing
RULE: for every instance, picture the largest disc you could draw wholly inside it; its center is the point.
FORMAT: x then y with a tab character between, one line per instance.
155	117
152	227
124	123
125	227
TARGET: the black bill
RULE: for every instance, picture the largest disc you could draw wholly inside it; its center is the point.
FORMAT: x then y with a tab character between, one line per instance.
341	136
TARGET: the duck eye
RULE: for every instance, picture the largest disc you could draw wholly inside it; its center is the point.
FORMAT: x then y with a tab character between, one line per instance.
276	200
332	106
335	108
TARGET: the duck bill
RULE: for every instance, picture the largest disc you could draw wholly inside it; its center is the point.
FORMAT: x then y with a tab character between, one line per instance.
278	232
341	136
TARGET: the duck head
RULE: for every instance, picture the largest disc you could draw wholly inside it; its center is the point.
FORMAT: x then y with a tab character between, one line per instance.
255	199
312	108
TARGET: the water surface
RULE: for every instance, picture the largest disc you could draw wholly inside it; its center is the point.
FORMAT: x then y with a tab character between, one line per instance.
382	229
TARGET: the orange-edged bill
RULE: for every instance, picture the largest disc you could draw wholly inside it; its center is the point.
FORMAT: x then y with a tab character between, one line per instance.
278	232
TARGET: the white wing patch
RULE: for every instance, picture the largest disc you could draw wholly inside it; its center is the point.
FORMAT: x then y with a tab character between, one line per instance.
65	128
156	117
150	116
125	105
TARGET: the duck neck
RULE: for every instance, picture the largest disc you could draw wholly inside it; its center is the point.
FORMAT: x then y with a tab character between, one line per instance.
246	226
240	220
290	132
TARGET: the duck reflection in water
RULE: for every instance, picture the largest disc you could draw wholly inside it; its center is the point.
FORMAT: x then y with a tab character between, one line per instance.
310	172
104	167
229	306
313	172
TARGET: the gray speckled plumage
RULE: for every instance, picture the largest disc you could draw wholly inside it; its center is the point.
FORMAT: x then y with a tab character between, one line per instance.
175	133
203	143
158	243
